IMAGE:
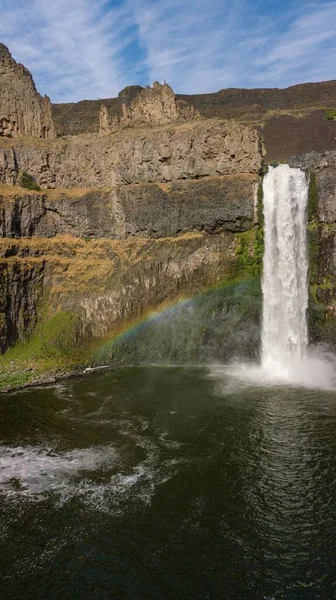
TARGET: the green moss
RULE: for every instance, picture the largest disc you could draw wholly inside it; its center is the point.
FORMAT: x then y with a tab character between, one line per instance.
260	207
27	181
330	115
249	253
316	317
312	198
56	335
53	349
312	238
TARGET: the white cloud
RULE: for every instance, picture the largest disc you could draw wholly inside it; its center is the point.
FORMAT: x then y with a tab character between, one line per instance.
85	49
305	51
201	46
193	44
74	49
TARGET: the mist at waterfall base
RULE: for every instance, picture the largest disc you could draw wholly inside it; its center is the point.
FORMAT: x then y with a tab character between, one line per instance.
286	357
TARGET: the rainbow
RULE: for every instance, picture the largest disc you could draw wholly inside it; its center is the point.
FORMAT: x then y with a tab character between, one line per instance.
165	311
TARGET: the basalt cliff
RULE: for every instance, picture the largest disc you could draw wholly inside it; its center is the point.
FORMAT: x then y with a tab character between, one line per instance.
149	207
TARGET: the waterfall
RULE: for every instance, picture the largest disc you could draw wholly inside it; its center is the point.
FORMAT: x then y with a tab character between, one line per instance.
285	287
285	356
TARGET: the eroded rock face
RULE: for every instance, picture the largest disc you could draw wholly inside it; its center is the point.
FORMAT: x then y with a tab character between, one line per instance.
314	161
21	286
104	282
23	112
171	153
209	205
152	106
323	164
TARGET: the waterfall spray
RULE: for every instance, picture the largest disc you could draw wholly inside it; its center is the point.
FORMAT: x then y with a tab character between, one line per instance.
285	356
285	268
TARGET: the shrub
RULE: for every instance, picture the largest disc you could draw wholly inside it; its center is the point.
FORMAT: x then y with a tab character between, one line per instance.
331	114
27	181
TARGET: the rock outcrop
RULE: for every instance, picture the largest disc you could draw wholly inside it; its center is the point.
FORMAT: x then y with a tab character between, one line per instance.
210	205
21	289
151	107
321	168
323	164
170	153
103	283
23	112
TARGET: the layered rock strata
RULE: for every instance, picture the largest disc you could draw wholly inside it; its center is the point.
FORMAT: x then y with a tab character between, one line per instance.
103	283
191	188
187	151
209	205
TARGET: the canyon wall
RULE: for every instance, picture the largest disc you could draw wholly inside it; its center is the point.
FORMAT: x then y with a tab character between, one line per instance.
192	188
291	120
187	151
153	206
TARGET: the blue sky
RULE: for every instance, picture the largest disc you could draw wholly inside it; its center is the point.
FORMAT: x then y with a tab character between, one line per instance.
82	49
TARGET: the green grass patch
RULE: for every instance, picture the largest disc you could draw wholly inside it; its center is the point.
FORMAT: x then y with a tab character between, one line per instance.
12	380
53	336
53	349
330	115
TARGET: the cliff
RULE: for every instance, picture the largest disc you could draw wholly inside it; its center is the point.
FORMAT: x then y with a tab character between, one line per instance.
189	150
291	120
322	239
152	206
22	110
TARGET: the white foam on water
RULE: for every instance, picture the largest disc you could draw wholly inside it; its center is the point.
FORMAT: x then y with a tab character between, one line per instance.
34	473
286	358
316	371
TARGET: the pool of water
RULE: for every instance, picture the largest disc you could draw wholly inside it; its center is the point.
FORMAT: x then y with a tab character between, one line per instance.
167	483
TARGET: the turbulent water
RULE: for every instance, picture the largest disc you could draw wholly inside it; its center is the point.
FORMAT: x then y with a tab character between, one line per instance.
285	268
167	483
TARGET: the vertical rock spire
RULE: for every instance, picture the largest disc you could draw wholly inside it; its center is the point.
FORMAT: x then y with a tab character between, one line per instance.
23	112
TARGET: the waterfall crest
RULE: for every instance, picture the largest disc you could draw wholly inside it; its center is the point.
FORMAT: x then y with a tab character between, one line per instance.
285	268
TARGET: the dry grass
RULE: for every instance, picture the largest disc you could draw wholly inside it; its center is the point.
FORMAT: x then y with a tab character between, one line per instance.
14	191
